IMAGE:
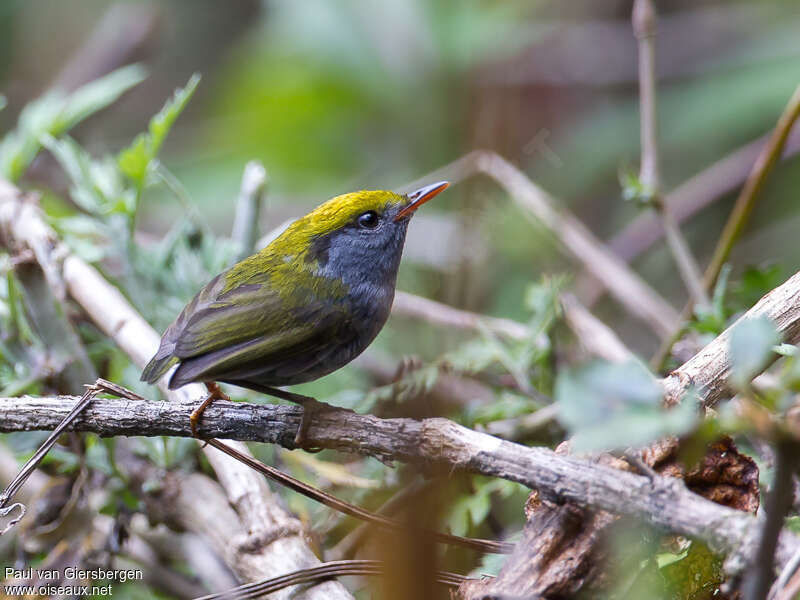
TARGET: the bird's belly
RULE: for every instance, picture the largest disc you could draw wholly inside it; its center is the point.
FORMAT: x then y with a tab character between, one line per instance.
324	356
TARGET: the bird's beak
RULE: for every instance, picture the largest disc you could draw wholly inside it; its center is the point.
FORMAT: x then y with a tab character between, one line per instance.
420	197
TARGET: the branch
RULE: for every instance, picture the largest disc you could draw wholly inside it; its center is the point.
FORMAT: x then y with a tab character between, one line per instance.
623	283
594	335
435	443
644	27
763	166
417	307
708	369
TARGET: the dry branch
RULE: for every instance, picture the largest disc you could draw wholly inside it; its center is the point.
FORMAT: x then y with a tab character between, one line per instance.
595	336
417	307
708	369
627	287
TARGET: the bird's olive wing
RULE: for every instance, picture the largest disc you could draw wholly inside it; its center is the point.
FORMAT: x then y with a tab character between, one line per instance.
250	333
247	313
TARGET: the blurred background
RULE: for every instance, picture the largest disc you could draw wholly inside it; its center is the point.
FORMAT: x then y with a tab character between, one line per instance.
335	97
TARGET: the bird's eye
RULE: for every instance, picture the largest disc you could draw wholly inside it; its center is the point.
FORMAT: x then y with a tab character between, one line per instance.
368	220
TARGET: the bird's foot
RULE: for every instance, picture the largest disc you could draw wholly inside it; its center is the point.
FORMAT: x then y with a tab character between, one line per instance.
214	393
311	408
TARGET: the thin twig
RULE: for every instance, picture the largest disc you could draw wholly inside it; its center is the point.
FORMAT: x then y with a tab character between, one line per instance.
687	265
120	34
351	509
626	286
763	166
594	335
644	27
339	568
769	156
417	307
101	385
760	577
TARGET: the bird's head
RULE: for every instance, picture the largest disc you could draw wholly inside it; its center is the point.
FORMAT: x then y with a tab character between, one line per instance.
356	237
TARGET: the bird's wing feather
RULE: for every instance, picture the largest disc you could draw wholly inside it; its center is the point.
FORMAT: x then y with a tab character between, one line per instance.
221	332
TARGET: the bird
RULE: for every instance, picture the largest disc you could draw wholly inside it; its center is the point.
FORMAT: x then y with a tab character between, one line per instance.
303	307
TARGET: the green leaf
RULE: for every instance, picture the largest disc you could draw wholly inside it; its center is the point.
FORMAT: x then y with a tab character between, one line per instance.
751	348
135	160
754	283
471	510
54	114
98	94
712	319
97	186
609	405
785	349
634	189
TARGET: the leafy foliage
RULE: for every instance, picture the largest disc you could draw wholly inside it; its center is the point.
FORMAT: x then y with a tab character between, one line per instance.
752	345
137	161
608	406
54	114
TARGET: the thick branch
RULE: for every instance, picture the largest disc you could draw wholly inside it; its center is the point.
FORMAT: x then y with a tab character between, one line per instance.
435	443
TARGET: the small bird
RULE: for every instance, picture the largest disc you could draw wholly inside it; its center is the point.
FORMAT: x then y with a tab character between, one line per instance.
303	307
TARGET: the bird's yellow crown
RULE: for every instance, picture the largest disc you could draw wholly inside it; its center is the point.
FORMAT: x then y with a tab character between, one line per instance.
339	211
293	244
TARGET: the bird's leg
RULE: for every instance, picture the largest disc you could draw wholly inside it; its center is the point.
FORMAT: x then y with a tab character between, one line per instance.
311	406
214	393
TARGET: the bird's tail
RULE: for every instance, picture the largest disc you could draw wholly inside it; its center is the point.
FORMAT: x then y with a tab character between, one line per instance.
157	366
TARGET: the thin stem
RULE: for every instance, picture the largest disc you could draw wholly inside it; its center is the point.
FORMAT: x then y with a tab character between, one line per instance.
687	265
766	161
339	568
763	166
248	208
779	502
353	510
644	27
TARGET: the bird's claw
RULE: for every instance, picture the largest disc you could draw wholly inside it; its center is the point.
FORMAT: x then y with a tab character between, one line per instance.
214	393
